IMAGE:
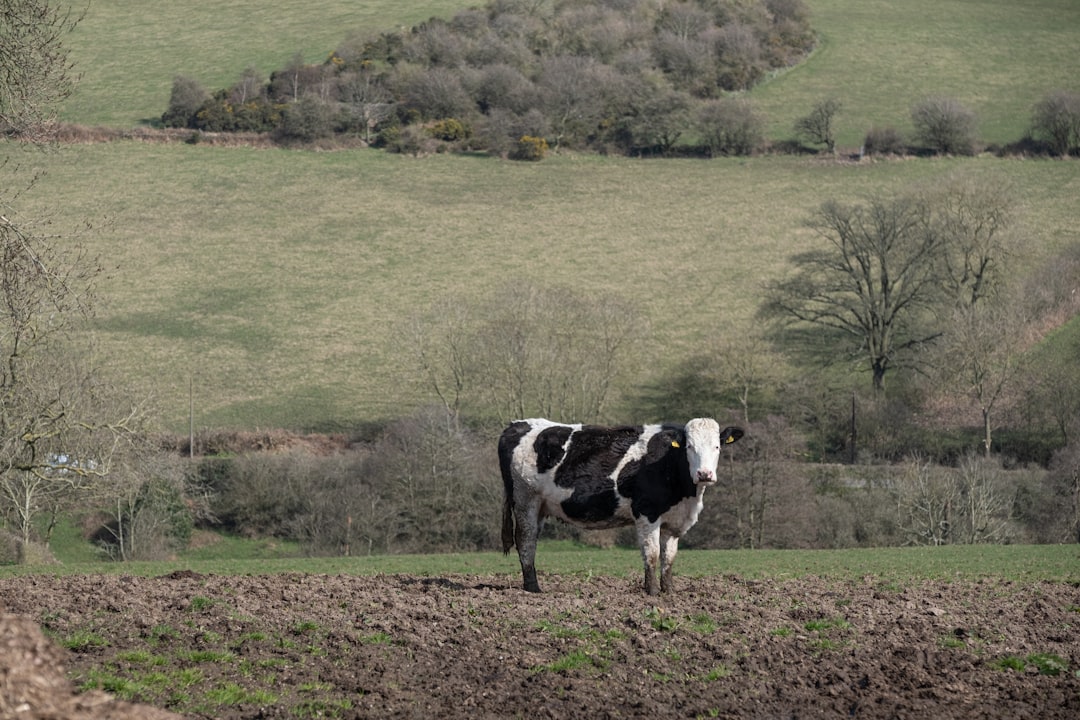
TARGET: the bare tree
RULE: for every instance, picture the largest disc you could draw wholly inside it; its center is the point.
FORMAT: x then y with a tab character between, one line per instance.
944	125
869	284
817	127
443	341
185	99
526	351
250	86
1057	118
1065	472
763	487
62	432
62	429
983	515
573	89
745	365
366	99
974	216
981	356
440	490
926	496
35	72
1053	396
146	499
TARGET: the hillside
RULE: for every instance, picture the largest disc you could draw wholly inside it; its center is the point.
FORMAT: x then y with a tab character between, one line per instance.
877	57
279	284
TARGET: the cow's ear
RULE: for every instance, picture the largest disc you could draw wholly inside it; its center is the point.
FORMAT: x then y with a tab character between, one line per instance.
730	434
663	443
675	438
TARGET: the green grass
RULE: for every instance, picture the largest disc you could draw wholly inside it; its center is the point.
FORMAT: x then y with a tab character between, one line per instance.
129	56
879	57
281	283
889	567
1045	663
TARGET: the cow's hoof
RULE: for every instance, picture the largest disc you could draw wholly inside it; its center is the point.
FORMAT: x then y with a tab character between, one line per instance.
532	588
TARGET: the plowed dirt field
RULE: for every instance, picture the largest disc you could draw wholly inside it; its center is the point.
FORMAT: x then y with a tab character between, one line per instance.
459	646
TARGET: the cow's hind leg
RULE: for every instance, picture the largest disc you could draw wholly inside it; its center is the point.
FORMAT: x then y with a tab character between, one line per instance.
526	532
649	539
669	545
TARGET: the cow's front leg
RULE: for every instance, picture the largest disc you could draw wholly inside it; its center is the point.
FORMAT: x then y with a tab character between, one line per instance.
669	545
649	539
526	534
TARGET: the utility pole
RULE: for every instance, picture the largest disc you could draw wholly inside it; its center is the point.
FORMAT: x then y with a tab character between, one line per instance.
191	417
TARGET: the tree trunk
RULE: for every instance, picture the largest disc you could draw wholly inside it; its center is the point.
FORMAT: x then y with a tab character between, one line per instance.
879	377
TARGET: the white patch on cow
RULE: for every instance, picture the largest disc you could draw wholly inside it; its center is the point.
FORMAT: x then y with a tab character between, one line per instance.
543	484
635	452
682	516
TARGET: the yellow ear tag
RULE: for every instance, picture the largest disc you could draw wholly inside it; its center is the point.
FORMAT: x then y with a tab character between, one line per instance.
730	440
674	443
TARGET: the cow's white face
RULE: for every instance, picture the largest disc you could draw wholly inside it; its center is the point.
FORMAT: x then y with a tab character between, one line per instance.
703	449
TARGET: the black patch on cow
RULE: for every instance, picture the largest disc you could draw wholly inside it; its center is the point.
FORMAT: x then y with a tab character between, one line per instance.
509	440
590	460
549	446
661	479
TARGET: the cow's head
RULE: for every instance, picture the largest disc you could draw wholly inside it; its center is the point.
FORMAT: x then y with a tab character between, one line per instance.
703	442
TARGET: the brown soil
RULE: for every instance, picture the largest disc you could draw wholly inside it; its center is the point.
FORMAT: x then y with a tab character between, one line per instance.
479	647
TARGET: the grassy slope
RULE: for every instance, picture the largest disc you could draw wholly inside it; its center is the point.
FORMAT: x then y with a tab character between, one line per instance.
281	281
879	57
128	54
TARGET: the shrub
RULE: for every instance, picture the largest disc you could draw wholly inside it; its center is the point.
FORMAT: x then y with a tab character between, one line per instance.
883	141
309	119
731	127
449	130
220	114
413	140
187	96
1056	118
944	125
388	137
529	148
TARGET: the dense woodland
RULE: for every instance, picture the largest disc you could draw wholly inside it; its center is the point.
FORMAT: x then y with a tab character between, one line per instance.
961	428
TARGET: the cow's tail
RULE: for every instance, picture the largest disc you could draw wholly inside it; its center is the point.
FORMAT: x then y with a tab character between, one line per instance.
508	495
508	524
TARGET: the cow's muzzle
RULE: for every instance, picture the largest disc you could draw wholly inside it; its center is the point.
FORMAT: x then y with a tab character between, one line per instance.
706	476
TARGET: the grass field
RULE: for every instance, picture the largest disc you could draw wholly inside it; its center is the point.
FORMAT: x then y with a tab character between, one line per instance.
282	281
233	556
129	55
880	57
278	283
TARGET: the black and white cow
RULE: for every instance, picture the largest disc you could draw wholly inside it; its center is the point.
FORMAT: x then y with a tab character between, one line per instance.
651	476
